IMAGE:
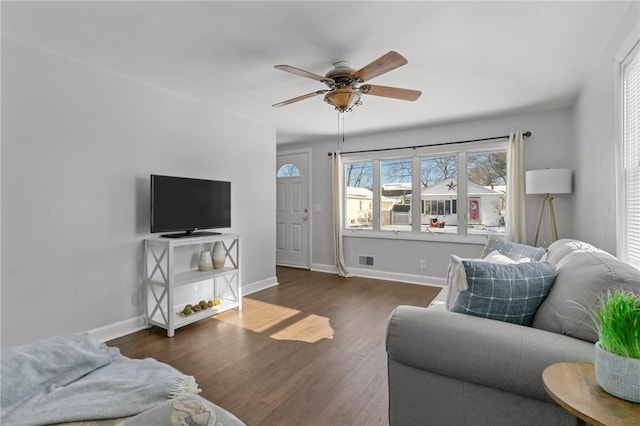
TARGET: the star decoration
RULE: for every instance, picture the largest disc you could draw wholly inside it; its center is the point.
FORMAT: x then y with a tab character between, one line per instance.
451	185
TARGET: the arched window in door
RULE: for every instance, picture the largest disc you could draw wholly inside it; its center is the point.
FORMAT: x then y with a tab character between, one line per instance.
288	170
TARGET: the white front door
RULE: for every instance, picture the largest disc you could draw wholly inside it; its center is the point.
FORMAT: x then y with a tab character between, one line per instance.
292	210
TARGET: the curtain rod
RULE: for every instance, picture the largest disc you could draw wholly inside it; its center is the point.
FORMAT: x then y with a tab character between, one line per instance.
525	134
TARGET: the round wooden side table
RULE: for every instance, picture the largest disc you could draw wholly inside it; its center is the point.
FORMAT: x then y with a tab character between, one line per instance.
573	386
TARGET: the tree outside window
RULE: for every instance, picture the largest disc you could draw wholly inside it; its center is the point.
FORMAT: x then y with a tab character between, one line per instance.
395	194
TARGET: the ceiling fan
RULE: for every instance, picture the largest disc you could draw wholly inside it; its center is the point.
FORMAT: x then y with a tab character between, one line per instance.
345	84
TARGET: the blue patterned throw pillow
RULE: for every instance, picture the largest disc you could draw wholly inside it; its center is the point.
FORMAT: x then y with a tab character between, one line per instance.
513	250
504	292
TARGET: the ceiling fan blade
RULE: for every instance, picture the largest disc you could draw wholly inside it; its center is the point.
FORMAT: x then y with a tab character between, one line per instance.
383	64
390	92
303	73
300	98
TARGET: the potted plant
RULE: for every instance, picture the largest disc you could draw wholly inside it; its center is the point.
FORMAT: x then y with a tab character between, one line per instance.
617	356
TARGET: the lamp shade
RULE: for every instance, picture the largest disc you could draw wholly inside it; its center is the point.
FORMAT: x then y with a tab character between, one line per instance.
548	181
343	99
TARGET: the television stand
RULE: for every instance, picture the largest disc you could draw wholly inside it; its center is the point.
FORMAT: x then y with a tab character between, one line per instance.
189	234
172	282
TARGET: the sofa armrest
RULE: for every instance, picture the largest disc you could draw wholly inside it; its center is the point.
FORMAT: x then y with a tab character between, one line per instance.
478	350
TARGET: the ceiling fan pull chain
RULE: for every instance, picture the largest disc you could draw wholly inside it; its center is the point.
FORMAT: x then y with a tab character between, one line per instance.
340	114
338	133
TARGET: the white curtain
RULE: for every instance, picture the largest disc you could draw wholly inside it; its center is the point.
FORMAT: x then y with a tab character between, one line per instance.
337	216
516	219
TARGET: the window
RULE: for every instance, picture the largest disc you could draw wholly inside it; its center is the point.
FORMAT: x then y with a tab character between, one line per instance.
487	192
395	194
358	179
288	170
439	191
461	193
630	227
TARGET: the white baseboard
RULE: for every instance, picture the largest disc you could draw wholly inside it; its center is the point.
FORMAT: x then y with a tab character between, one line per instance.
122	328
384	275
318	267
118	329
259	285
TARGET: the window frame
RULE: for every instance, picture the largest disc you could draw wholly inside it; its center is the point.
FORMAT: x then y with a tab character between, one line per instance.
416	155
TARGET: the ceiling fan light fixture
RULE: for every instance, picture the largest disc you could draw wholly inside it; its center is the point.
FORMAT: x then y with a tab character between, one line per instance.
343	99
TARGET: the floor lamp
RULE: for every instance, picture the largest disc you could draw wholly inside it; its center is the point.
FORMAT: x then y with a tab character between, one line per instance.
548	181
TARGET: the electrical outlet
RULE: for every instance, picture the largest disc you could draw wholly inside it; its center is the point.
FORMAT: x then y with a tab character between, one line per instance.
423	264
136	298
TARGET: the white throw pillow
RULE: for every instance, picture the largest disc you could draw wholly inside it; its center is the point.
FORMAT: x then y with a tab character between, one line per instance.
497	257
456	279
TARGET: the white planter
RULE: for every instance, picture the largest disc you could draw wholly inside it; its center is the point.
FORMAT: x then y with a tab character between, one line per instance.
219	256
618	375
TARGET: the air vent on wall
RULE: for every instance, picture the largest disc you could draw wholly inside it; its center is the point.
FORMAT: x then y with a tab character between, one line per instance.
365	260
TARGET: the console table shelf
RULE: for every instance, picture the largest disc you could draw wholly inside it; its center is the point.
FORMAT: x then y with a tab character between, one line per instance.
162	280
180	320
189	277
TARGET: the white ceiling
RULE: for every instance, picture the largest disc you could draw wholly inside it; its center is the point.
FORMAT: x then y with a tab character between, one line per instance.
469	59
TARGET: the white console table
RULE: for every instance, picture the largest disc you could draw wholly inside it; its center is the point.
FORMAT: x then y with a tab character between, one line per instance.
163	277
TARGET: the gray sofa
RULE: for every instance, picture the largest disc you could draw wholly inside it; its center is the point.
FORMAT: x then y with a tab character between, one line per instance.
448	368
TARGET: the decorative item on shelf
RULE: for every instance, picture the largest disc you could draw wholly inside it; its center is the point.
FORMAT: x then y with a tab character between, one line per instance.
205	263
219	256
617	353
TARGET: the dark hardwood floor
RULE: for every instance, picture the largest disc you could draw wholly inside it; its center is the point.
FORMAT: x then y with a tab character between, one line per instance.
308	352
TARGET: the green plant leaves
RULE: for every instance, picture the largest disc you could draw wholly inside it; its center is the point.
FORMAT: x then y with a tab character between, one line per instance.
619	323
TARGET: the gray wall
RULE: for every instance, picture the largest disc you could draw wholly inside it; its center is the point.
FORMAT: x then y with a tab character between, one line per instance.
78	145
550	146
595	124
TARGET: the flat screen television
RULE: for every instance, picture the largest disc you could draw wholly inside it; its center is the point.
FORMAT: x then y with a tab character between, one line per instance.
187	205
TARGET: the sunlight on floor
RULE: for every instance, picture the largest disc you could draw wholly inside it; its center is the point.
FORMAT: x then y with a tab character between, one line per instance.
260	317
310	329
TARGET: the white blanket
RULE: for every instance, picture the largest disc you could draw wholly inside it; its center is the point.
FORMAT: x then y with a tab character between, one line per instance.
73	378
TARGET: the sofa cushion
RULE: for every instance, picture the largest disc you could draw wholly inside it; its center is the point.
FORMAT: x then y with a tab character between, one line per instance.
456	278
505	292
559	249
513	250
582	276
